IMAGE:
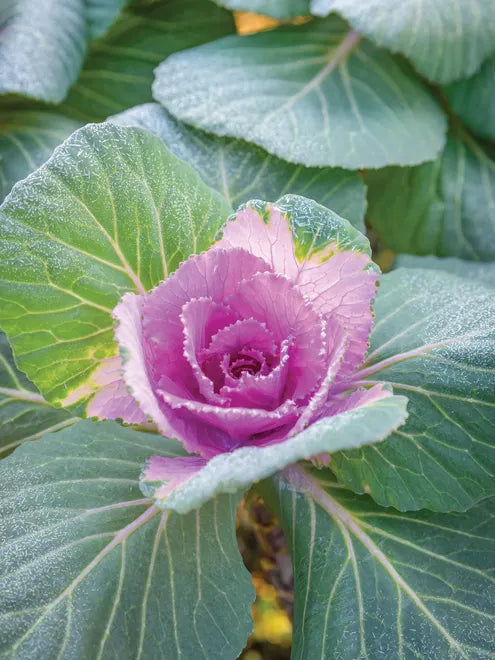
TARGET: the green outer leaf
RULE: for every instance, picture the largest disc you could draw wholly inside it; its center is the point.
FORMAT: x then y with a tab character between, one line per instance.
127	213
484	272
237	470
374	583
310	94
444	40
434	341
242	171
474	99
102	14
119	69
446	207
42	47
24	414
27	139
275	8
91	569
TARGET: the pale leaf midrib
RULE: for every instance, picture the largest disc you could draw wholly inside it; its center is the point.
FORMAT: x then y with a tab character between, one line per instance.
343	517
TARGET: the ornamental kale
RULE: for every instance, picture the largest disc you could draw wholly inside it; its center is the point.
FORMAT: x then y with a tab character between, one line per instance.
181	360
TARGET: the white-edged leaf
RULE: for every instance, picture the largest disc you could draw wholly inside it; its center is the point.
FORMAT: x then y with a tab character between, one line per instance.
91	569
444	39
313	94
375	583
243	171
237	470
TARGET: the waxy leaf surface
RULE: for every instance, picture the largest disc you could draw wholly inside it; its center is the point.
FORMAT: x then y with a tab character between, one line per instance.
237	470
42	47
313	94
242	171
446	207
24	414
433	341
127	213
89	568
482	272
444	39
118	71
372	582
27	140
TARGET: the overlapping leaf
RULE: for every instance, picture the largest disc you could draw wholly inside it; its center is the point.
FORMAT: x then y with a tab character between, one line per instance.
27	139
445	40
127	213
483	272
372	582
446	207
42	47
434	341
119	69
24	414
474	100
90	568
237	470
242	171
313	94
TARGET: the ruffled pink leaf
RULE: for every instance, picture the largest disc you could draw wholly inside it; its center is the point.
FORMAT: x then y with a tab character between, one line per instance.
214	274
239	425
260	390
202	319
273	300
129	335
336	281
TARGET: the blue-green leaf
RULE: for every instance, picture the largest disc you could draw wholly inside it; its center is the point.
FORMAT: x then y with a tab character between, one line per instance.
242	171
375	583
89	568
315	94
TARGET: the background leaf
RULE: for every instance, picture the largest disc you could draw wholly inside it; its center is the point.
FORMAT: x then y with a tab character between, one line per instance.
444	40
311	94
27	139
128	212
24	414
242	171
237	470
102	14
446	207
91	569
275	8
385	584
434	341
42	47
483	272
474	100
119	69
